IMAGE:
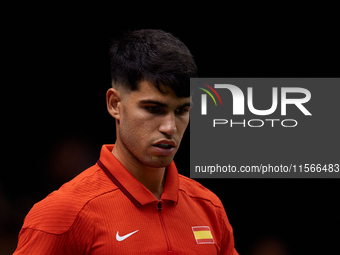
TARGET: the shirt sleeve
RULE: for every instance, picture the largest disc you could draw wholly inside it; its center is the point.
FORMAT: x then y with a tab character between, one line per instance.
75	240
38	242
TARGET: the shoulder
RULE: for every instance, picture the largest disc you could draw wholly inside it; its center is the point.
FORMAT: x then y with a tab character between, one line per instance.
196	190
205	199
57	212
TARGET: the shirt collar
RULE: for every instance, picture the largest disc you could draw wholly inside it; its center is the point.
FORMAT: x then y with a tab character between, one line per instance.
130	186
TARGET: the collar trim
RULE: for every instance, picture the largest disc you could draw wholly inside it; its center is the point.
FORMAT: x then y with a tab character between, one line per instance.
118	184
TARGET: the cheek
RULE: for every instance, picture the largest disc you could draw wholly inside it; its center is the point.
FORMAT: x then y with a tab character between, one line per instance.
134	126
182	125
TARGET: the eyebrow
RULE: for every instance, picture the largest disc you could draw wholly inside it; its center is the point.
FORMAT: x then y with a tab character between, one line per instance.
148	101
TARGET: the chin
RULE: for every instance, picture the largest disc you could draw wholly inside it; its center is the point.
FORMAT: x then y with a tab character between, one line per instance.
159	162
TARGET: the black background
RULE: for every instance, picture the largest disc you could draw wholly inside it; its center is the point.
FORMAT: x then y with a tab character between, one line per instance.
55	73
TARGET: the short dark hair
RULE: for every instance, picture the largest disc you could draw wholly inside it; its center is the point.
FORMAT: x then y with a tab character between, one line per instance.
155	56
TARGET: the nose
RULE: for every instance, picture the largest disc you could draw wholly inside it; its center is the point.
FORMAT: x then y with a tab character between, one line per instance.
168	124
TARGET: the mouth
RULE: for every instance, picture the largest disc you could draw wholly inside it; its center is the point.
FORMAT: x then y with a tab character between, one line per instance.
167	144
165	147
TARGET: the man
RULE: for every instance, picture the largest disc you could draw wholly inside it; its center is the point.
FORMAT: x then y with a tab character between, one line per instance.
133	201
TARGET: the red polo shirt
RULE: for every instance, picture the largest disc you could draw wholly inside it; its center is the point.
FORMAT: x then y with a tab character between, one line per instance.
105	210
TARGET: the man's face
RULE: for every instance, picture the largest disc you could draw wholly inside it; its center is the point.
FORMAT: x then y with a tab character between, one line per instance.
152	123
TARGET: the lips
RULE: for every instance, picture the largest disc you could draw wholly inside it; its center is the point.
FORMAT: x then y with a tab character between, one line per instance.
165	144
164	147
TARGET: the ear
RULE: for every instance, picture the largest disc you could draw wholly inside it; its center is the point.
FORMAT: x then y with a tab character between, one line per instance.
113	99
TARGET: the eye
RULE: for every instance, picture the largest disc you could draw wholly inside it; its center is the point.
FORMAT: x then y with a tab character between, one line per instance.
153	109
181	111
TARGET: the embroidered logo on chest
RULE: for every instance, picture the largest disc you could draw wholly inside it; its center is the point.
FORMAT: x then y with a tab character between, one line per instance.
203	235
122	238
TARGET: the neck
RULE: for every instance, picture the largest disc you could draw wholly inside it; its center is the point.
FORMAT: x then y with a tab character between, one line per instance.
152	178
